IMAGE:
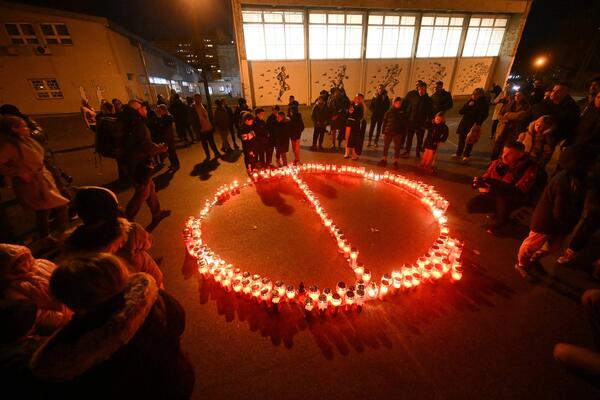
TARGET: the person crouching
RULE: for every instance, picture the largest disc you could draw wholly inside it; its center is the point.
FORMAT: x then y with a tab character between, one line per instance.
248	138
437	133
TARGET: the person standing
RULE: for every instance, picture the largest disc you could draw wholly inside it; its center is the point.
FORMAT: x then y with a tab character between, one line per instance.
441	99
204	129
356	113
282	132
237	116
394	127
320	116
512	121
537	92
160	100
338	105
379	106
437	133
181	115
232	122
140	150
22	159
498	102
296	129
420	113
474	112
89	115
223	124
262	137
272	128
565	112
588	128
292	103
248	138
164	124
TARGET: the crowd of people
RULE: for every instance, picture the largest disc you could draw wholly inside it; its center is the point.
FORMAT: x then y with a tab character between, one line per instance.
99	313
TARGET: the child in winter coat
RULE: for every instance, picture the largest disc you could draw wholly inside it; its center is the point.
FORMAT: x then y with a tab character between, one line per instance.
262	137
248	137
436	134
23	277
282	139
103	230
538	140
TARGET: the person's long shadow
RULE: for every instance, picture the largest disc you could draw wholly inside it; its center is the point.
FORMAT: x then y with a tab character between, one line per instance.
344	332
204	169
232	156
271	194
163	180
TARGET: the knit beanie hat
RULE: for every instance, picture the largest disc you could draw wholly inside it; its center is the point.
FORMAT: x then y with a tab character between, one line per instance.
95	203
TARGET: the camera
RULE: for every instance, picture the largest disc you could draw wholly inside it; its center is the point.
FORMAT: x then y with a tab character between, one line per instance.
479	182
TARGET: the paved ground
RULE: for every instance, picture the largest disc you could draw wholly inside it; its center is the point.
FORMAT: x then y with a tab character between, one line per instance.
488	336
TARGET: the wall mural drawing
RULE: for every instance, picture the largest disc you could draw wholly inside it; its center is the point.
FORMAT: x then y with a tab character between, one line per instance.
471	76
388	76
278	81
431	72
334	78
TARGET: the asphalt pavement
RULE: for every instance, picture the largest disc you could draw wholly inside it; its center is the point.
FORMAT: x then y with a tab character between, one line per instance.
490	335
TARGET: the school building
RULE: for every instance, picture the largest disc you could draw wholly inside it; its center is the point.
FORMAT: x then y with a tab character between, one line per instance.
287	48
51	59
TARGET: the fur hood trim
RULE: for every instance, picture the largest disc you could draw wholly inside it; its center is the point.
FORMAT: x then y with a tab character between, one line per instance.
57	360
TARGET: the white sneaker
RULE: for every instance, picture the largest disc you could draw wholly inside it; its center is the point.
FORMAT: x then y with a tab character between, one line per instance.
567	257
465	159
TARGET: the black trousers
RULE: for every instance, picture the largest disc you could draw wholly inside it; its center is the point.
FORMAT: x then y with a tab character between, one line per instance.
494	127
502	204
319	134
261	151
207	139
387	140
173	159
464	148
376	125
414	129
183	131
249	150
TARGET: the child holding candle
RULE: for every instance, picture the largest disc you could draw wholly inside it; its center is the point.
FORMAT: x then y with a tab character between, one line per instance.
436	135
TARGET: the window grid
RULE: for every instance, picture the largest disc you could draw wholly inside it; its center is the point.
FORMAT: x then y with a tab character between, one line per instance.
484	36
56	33
390	35
439	36
21	33
335	35
274	35
46	89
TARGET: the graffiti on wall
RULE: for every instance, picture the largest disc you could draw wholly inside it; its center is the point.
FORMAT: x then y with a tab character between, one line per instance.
431	72
277	78
471	76
333	78
388	76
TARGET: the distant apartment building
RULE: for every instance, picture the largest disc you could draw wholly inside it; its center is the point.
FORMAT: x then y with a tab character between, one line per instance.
50	60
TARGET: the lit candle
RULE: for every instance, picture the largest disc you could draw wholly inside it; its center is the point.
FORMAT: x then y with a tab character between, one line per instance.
313	292
290	292
366	277
308	304
341	288
323	303
372	290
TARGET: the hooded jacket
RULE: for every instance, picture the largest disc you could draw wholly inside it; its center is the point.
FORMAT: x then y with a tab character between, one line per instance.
128	347
540	146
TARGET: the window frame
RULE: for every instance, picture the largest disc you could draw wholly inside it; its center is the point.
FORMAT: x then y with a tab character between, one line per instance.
472	53
328	28
284	42
22	36
432	27
399	26
56	36
52	93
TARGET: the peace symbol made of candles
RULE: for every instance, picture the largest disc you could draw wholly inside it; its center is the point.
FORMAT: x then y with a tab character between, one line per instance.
442	259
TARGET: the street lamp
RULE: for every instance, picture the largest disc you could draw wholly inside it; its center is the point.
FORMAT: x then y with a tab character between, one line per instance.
540	61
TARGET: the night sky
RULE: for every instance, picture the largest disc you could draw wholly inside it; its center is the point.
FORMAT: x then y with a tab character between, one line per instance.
562	30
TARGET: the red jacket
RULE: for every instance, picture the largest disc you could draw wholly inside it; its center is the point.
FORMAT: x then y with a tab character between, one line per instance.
521	175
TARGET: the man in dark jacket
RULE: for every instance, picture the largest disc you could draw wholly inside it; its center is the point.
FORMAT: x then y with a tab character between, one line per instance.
420	113
474	112
338	104
181	115
123	340
588	128
537	92
558	209
231	122
281	135
505	185
565	112
395	123
262	137
320	116
441	99
271	127
237	115
222	125
140	150
379	105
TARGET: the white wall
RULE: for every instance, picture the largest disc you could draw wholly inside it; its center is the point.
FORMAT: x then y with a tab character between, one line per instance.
471	73
391	73
328	73
274	81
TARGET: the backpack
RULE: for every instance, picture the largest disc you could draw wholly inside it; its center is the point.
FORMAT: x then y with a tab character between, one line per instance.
109	137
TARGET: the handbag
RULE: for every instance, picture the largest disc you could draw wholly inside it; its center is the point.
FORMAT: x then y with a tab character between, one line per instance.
474	134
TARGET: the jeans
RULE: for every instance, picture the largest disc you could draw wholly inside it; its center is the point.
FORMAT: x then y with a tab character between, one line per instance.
387	140
224	141
464	148
142	192
376	124
319	134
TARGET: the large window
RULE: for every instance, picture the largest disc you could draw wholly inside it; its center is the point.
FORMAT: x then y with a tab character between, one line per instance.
390	36
21	34
46	89
484	36
56	33
439	36
335	35
273	35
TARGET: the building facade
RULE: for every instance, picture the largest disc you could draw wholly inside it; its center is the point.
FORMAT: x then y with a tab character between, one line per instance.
286	49
50	60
